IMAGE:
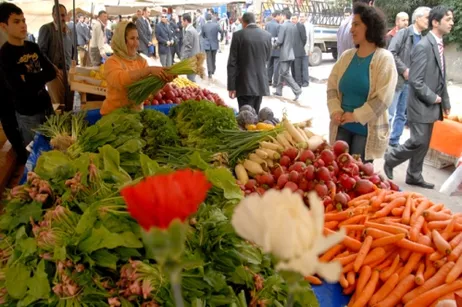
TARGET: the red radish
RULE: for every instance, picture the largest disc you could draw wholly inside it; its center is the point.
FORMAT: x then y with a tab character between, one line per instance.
334	167
251	184
393	186
292	153
319	163
327	156
311	185
278	171
294	176
364	186
323	174
383	186
340	147
304	184
367	169
307	156
331	186
344	160
309	172
352	169
282	180
285	161
321	189
300	192
261	191
267	179
292	186
347	182
297	166
248	192
375	179
352	194
341	199
327	201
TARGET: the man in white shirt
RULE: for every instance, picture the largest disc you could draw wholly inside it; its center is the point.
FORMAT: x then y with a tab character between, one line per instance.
309	46
98	39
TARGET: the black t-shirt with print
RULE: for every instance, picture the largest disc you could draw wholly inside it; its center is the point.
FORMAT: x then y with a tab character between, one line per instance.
27	71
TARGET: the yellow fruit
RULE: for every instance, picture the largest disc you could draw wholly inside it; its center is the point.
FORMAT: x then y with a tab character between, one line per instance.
251	127
263	126
104	83
101	69
92	73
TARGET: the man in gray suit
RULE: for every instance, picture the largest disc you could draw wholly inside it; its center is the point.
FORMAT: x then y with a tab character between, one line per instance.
428	98
286	40
247	75
299	51
273	64
199	22
143	25
210	43
191	43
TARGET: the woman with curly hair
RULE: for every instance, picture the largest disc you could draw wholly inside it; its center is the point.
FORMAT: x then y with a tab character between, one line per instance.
361	87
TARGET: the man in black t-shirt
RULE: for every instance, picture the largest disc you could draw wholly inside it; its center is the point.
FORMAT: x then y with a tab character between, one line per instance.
26	70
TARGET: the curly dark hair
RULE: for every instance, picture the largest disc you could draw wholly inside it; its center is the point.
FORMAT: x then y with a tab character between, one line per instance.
375	22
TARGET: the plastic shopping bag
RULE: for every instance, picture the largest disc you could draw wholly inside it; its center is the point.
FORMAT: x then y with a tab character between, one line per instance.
453	185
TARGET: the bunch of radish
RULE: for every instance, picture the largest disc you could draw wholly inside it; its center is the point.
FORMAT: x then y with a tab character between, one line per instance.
306	163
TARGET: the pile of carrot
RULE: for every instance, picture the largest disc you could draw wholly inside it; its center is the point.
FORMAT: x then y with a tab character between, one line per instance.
401	250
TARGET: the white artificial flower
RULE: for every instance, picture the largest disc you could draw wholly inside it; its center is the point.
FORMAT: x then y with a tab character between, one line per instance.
281	224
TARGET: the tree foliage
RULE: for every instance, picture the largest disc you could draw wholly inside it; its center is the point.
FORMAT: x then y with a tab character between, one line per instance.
393	7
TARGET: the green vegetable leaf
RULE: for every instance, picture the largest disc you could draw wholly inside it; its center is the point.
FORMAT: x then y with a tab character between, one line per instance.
59	253
131	146
151	167
197	161
17	278
28	246
111	161
52	163
223	179
177	233
87	220
103	238
105	259
39	287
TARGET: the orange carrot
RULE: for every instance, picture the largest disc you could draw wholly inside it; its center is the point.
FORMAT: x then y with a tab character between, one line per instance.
353	220
368	291
338	216
391	270
343	282
365	247
388	240
331	253
394	297
347	259
430	271
364	197
364	276
350	243
451	296
331	225
353	227
430	296
441	244
418	212
455	271
415	247
384	265
419	276
406	227
374	255
375	203
385	211
439	263
447	232
436	208
329	208
376	233
425	229
313	280
351	276
456	252
410	265
415	230
433	282
397	211
349	290
435	256
347	268
431	216
404	254
386	288
387	228
456	240
407	210
344	254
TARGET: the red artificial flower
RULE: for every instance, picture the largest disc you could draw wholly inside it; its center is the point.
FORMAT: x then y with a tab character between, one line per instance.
158	200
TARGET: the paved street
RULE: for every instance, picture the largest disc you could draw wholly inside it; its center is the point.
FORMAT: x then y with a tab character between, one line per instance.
312	104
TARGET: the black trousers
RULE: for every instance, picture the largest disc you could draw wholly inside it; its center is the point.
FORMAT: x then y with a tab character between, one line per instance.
11	130
211	61
253	101
176	49
273	70
414	149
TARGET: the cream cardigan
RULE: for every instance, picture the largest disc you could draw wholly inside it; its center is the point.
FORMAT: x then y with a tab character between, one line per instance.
383	79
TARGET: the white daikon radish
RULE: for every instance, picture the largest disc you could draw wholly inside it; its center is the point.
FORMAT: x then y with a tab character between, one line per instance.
272	145
241	174
314	142
272	154
282	139
308	132
302	133
269	162
255	158
293	132
289	138
261	153
253	167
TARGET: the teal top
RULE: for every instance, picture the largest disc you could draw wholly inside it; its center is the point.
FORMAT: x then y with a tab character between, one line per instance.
354	87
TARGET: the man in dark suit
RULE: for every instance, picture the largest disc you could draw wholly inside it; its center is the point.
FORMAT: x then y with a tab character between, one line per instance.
286	39
210	43
247	75
428	98
191	42
273	64
143	25
176	31
164	37
299	51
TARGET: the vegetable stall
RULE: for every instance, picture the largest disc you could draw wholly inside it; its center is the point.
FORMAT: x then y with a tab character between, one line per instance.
68	238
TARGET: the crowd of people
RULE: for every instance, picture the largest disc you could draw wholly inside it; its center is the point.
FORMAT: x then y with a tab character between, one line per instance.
380	83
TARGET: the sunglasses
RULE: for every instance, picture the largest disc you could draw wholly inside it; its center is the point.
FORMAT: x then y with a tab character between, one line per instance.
164	16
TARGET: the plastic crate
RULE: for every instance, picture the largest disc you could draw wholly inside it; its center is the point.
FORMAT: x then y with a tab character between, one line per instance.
438	159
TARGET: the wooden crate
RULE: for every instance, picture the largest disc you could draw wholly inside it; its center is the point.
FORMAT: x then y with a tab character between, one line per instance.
438	159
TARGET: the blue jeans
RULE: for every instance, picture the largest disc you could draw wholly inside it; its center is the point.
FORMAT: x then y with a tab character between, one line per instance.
397	114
